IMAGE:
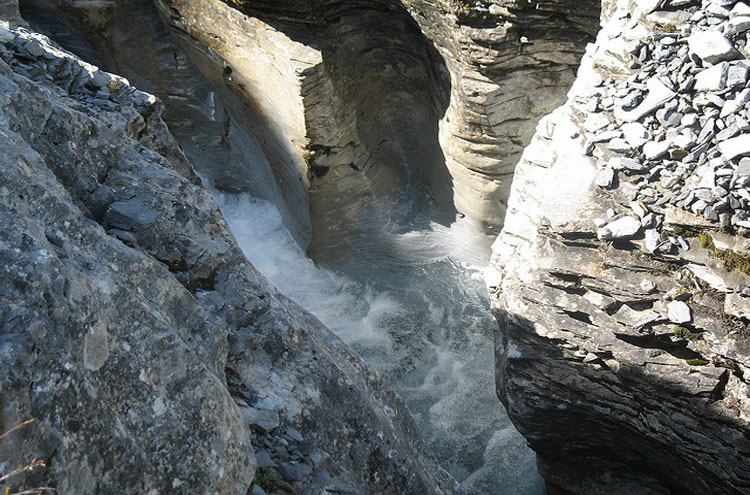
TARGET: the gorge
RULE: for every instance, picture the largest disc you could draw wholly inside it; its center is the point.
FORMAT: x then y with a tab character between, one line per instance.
185	273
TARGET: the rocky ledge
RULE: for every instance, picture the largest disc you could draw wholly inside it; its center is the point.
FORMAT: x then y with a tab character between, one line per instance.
153	356
619	281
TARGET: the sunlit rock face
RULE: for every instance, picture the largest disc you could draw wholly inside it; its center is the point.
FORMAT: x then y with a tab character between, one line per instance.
424	113
511	62
621	347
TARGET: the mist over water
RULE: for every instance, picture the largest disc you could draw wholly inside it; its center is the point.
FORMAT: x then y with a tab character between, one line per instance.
418	312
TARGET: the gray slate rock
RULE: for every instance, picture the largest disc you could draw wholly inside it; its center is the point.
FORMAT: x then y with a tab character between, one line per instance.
712	79
658	95
605	178
735	147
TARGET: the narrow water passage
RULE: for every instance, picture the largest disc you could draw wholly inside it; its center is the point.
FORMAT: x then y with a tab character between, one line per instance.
411	303
423	323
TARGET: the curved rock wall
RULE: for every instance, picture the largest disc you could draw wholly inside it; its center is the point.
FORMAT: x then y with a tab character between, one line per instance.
622	342
371	108
393	126
510	64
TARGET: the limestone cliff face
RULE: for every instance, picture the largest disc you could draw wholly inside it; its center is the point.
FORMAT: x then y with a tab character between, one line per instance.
622	348
136	332
510	62
387	108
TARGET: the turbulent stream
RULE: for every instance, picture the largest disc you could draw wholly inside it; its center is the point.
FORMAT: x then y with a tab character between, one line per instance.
414	306
411	300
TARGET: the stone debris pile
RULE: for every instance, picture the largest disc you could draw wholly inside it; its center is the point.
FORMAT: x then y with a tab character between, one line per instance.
668	120
670	126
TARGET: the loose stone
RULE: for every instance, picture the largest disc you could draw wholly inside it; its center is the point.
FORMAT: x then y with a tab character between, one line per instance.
678	312
735	147
655	149
605	178
711	46
621	228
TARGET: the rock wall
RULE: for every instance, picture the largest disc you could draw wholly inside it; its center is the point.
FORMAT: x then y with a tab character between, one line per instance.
370	163
219	98
136	332
475	80
511	62
619	278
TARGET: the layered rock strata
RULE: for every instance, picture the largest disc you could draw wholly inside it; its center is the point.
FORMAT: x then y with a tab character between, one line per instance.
511	62
136	332
348	72
619	279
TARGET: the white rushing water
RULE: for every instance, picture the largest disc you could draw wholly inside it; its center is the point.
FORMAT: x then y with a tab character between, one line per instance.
424	324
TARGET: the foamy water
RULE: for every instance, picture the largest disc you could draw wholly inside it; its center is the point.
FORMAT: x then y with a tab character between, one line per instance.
420	316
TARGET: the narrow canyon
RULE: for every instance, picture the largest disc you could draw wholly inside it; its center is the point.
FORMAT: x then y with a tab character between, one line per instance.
375	246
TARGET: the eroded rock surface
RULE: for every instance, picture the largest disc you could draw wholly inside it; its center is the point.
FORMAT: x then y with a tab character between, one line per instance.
136	332
619	278
397	108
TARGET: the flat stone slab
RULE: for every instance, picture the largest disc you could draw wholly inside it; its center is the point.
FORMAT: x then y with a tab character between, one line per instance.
709	276
711	47
621	228
712	79
658	95
264	418
735	147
